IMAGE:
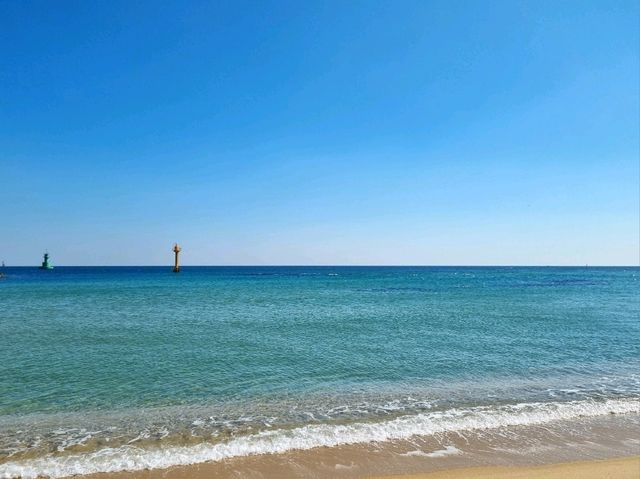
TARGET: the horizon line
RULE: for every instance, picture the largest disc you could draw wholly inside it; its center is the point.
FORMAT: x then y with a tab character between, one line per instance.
586	265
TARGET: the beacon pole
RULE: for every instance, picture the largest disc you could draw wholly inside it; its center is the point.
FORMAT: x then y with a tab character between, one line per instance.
176	265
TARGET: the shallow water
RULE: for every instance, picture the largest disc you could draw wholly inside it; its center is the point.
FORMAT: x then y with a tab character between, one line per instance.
215	361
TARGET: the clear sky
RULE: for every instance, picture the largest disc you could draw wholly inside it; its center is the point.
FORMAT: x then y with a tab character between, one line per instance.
346	132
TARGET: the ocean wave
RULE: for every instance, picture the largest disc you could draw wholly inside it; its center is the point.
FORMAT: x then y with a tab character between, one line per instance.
317	435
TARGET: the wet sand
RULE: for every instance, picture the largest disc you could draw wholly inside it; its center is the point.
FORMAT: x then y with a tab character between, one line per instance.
618	468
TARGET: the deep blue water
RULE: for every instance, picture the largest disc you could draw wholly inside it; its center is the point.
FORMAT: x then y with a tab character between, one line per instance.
230	349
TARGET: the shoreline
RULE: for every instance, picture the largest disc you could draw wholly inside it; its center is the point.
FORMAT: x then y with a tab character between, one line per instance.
601	437
292	454
547	451
619	467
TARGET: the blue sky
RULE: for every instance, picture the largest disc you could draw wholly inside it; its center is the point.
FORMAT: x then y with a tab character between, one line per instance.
454	132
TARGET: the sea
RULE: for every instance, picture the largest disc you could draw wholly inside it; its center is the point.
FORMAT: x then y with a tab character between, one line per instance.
106	369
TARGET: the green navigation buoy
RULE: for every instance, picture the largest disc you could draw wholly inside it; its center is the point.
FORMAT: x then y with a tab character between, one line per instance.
45	263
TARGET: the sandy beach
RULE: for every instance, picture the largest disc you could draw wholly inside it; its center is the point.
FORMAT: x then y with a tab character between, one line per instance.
616	468
623	468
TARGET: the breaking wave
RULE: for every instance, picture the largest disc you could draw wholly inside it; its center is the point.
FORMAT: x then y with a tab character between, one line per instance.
131	458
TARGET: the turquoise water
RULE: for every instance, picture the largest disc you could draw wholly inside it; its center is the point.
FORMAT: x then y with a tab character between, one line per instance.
95	358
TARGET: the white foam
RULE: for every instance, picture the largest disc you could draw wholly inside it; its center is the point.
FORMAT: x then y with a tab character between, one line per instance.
447	451
312	436
417	452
